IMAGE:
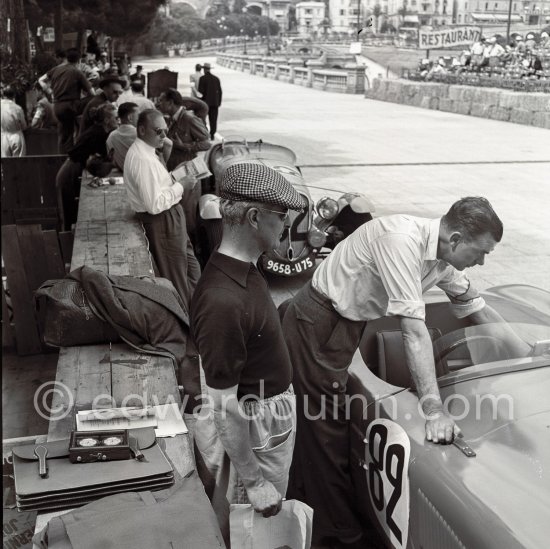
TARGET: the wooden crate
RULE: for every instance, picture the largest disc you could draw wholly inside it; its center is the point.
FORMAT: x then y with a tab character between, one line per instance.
31	256
29	195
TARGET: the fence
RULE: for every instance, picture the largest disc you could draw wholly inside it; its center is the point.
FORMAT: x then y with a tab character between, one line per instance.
303	72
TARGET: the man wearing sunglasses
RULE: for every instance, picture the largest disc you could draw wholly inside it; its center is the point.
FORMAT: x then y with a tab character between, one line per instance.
155	196
246	431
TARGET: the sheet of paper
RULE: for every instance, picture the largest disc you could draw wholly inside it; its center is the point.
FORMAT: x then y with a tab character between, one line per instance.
167	420
113	423
196	167
170	420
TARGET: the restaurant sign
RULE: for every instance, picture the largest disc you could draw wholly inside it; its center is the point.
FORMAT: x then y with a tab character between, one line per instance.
447	38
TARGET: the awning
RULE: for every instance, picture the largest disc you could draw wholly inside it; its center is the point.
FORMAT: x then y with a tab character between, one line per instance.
501	17
410	19
496	17
482	17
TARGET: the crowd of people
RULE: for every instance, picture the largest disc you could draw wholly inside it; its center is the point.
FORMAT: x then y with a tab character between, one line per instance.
521	58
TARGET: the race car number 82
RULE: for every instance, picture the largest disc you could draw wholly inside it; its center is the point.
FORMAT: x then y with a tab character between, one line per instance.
388	457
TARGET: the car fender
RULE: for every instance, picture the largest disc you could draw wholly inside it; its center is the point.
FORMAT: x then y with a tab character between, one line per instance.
359	203
209	206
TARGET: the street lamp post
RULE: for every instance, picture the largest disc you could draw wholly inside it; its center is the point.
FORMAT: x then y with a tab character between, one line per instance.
268	29
509	20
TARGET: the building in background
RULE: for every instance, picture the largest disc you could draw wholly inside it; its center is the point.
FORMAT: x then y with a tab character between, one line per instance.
310	17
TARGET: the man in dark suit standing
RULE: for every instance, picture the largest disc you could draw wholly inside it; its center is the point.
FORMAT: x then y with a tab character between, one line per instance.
211	93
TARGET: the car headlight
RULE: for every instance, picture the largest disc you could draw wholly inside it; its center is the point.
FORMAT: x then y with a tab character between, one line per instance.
316	237
327	208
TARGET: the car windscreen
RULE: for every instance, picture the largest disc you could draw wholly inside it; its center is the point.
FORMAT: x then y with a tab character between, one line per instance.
487	343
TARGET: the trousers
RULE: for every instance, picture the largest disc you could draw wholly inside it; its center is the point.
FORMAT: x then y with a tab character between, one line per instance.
213	119
171	249
272	432
66	113
321	344
67	183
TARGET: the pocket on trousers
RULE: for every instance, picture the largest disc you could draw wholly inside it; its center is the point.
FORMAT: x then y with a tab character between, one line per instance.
275	458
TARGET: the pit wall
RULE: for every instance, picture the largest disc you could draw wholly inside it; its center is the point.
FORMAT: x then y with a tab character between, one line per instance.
531	109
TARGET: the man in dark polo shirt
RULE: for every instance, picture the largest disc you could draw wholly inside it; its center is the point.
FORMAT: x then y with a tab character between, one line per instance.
67	83
251	415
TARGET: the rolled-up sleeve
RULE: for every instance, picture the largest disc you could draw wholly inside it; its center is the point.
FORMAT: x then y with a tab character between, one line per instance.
398	261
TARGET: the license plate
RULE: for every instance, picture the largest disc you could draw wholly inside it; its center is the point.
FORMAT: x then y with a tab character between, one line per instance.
289	269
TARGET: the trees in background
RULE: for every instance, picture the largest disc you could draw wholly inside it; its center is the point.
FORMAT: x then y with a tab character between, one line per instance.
184	26
120	19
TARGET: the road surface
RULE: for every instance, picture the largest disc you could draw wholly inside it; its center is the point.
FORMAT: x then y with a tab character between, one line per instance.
406	159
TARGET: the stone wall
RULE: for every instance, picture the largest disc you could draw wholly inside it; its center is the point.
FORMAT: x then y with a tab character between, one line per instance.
310	73
532	109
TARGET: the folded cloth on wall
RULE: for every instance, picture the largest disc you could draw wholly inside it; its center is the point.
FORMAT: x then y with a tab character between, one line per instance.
179	517
147	313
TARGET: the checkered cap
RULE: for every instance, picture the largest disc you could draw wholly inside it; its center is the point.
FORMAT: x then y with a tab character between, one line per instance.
259	183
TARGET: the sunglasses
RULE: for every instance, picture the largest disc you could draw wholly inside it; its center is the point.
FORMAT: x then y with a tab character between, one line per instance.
161	131
283	216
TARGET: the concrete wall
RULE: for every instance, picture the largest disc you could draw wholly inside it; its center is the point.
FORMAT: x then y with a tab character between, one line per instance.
532	109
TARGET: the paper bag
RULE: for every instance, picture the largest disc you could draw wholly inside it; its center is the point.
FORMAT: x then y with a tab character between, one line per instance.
289	529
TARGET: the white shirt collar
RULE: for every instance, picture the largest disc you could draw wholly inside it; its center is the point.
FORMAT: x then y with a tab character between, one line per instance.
177	114
433	239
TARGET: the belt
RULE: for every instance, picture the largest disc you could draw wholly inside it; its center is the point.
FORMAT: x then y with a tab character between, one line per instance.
320	298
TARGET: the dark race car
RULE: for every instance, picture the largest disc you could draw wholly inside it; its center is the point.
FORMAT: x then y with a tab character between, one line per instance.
312	232
490	489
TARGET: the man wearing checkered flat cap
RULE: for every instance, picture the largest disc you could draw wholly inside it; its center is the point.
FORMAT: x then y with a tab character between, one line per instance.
251	404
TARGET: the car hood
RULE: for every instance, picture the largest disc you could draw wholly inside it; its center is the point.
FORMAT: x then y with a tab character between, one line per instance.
488	398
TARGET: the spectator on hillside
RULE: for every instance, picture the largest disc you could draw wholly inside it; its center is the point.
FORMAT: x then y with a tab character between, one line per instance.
111	89
91	142
476	52
67	82
493	53
530	42
532	65
121	139
439	68
43	117
12	125
544	40
135	95
520	44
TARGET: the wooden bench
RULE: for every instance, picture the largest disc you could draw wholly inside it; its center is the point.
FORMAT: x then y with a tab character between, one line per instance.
109	238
